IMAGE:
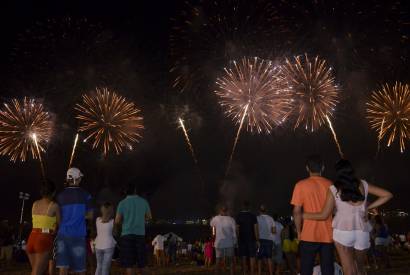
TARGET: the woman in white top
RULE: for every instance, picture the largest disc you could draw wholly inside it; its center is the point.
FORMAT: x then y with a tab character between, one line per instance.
351	230
104	243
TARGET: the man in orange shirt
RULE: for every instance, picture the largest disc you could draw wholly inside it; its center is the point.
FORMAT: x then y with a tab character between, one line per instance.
315	237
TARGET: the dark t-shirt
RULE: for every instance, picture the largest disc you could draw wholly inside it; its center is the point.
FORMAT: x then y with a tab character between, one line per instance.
246	221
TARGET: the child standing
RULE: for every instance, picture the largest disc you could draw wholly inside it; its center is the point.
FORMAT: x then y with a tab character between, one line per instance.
104	243
208	252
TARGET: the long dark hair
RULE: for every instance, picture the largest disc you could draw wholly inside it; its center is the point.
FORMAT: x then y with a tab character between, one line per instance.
48	189
347	183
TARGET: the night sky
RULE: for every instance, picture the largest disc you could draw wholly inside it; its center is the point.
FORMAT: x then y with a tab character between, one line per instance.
59	50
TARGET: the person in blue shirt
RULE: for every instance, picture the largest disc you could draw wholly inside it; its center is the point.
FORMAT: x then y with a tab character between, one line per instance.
132	212
75	208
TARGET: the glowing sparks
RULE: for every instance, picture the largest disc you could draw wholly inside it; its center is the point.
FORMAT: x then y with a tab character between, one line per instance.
43	172
73	151
245	111
254	92
188	141
19	120
314	91
388	112
339	148
109	120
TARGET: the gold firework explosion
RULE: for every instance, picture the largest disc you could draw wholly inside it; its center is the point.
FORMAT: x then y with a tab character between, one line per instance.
20	121
315	93
253	91
388	112
109	120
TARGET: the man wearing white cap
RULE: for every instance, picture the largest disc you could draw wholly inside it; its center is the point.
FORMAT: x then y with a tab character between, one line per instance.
76	206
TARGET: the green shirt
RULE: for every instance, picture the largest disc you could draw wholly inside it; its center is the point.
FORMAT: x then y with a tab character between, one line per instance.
133	210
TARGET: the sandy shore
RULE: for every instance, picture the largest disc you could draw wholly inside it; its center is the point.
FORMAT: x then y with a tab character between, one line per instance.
400	266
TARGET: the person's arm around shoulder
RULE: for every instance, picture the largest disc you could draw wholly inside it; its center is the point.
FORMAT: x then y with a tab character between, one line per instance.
326	211
382	194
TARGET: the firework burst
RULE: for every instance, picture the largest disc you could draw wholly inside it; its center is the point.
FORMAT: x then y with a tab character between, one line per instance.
254	92
388	112
109	120
20	122
314	91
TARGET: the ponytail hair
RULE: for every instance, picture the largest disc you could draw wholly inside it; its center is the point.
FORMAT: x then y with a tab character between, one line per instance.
347	183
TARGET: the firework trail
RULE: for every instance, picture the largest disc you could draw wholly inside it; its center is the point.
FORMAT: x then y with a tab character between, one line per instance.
43	171
73	151
191	149
339	148
19	120
236	139
388	112
188	141
109	120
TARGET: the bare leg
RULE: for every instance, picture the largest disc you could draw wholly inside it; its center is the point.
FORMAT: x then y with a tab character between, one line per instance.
360	258
40	263
252	265
244	265
31	258
347	258
291	260
231	265
63	271
270	265
217	265
51	265
130	271
259	267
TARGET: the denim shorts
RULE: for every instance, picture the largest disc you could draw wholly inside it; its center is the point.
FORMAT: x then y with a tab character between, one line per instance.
277	253
71	253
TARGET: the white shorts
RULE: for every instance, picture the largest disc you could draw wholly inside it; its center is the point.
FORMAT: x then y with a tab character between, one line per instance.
357	239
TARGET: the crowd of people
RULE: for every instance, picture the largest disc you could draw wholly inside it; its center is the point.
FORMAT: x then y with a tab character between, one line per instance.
327	216
59	235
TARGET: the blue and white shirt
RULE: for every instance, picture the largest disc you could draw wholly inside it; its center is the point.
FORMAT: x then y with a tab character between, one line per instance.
74	204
